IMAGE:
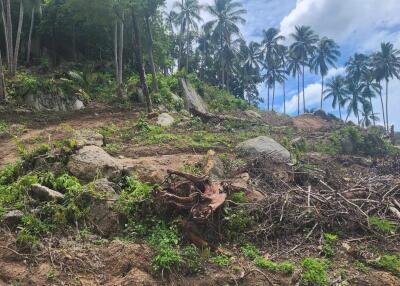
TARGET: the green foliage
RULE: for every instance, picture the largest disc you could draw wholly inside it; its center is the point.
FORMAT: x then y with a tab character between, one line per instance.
192	259
30	231
361	266
284	267
221	260
12	195
389	263
382	224
237	220
314	272
112	148
250	251
328	246
238	197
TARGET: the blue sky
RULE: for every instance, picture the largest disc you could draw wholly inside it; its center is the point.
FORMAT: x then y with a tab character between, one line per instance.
356	25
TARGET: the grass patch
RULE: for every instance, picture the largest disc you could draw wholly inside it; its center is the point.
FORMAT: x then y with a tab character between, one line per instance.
315	272
382	225
389	263
284	267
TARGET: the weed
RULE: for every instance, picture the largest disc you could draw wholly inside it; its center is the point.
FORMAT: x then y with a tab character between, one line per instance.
360	266
250	251
112	148
328	247
238	197
192	259
221	260
382	224
389	263
314	272
284	267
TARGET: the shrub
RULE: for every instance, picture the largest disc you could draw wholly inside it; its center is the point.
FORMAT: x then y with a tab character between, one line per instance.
314	272
250	251
192	259
389	263
221	260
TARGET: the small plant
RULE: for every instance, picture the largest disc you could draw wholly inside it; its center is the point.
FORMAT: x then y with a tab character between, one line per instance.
389	263
284	267
112	148
360	266
192	259
382	224
221	260
314	272
250	251
238	197
328	247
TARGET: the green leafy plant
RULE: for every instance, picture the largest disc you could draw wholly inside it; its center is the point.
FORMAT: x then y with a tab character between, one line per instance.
328	246
389	263
314	272
284	267
250	251
221	260
382	225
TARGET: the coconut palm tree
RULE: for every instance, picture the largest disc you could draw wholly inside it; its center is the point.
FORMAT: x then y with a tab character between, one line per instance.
336	89
294	69
369	89
227	15
367	115
275	73
378	76
355	98
188	15
387	62
325	55
356	66
270	42
304	46
282	55
34	6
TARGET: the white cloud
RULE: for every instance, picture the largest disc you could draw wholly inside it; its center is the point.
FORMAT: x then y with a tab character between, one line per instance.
335	71
362	24
313	97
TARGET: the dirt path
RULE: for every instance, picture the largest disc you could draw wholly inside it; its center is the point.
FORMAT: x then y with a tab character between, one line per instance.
41	128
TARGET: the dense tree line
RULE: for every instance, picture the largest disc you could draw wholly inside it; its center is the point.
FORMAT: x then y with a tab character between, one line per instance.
140	36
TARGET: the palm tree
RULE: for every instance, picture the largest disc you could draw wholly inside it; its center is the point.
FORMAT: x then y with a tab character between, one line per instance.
252	60
294	69
378	79
387	62
187	16
35	7
367	115
227	15
275	73
369	89
282	55
336	89
326	54
304	46
270	42
355	99
356	66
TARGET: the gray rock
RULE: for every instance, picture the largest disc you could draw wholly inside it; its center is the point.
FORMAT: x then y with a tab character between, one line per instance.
89	137
103	217
213	165
193	101
105	186
165	120
92	161
54	102
12	219
44	194
265	145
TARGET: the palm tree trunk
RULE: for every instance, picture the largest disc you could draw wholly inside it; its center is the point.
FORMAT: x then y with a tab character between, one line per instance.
304	96
28	52
116	51
10	37
5	26
180	48
387	104
340	112
383	107
268	98
298	94
150	52
74	51
187	47
18	39
372	110
322	89
284	97
273	96
139	62
121	51
3	92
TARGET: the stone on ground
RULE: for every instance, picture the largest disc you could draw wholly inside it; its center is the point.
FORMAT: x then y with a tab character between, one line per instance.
165	120
193	101
264	145
89	137
91	162
44	194
213	166
105	186
102	215
12	219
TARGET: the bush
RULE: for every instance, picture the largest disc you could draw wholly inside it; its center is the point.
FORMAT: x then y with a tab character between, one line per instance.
250	251
389	263
314	272
328	247
221	260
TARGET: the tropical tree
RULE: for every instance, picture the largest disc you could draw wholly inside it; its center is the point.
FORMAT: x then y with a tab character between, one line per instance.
252	61
387	63
378	76
356	66
270	42
187	16
304	46
35	7
294	68
276	73
326	54
227	15
336	89
369	89
355	99
367	115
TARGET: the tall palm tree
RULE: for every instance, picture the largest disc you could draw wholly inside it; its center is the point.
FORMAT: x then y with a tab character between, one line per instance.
325	55
304	46
270	42
367	115
187	16
282	55
227	15
369	89
356	66
336	89
378	76
35	6
252	60
275	73
355	99
387	61
294	69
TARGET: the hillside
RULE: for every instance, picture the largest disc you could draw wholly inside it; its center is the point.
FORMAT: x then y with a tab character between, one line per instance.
108	195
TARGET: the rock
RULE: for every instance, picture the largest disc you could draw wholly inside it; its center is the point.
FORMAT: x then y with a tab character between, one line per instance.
105	186
12	219
213	166
89	137
102	216
192	100
165	120
92	161
265	145
44	194
253	114
54	102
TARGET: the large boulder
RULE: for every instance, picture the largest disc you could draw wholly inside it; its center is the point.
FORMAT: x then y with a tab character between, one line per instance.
12	219
103	216
264	145
193	101
165	120
44	194
92	161
54	102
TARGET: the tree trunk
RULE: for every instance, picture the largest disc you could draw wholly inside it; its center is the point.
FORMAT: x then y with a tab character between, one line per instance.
268	97
180	48
150	52
322	90
139	62
18	39
304	96
116	51
28	51
3	92
383	107
5	26
387	104
10	37
284	97
187	47
340	112
273	96
121	51
74	51
372	110
298	92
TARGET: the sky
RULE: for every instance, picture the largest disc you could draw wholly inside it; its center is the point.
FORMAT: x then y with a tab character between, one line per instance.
356	25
